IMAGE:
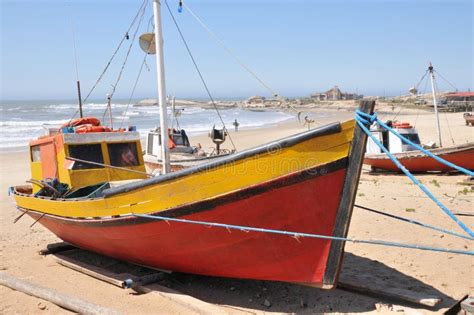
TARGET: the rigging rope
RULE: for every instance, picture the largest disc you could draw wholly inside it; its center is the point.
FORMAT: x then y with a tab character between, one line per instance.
455	88
229	51
111	59
199	73
445	117
133	90
396	115
114	86
419	82
128	51
297	235
429	226
144	3
75	50
364	120
239	61
449	127
419	107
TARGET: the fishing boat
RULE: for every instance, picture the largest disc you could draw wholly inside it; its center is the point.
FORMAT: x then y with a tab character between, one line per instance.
182	153
412	159
469	119
305	183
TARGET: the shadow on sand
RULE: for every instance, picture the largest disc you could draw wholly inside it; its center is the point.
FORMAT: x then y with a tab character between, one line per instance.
277	296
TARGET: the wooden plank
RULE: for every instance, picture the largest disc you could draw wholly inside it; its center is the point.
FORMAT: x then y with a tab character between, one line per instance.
90	270
346	204
456	307
138	285
467	305
391	293
134	282
66	301
122	280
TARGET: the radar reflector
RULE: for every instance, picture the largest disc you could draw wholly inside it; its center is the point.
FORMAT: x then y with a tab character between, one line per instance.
413	91
147	43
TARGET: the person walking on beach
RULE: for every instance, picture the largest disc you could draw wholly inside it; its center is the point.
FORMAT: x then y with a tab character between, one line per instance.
236	125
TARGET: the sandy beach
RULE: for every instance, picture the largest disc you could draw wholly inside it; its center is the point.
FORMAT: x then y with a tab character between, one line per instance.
447	276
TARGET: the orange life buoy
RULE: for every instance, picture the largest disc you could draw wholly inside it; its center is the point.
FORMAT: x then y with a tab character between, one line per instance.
82	121
402	125
91	128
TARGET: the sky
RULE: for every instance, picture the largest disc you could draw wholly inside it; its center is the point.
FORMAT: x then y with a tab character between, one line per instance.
297	47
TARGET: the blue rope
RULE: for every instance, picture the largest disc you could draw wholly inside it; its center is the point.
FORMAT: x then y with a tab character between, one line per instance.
373	118
361	121
297	235
429	226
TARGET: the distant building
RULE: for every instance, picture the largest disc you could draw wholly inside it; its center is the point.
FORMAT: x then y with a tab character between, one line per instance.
460	96
256	100
335	94
459	101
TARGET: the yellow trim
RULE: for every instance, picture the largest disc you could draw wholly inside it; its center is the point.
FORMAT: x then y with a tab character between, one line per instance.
63	173
85	177
36	173
206	184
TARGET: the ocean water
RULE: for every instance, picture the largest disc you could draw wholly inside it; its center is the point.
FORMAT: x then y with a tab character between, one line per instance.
21	121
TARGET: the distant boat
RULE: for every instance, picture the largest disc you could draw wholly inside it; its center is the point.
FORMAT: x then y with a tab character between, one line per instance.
182	153
411	158
469	119
415	160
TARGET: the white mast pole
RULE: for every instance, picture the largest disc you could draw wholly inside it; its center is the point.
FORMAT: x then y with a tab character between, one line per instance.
160	69
430	68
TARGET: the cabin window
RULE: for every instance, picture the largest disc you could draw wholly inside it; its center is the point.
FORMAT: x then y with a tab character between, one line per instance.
35	154
181	138
86	152
150	143
413	137
123	154
178	139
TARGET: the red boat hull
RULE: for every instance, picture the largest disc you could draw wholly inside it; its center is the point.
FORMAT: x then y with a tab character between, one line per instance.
285	204
423	163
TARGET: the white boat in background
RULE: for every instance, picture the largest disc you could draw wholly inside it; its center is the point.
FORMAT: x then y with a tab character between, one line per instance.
182	153
411	158
390	141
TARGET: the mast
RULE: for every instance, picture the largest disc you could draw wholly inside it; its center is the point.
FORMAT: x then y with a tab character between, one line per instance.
160	69
431	70
109	107
80	98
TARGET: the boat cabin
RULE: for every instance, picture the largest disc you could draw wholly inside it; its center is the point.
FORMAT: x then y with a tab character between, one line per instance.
81	159
178	142
390	141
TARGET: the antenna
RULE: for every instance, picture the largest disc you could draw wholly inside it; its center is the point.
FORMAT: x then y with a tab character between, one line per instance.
77	71
431	71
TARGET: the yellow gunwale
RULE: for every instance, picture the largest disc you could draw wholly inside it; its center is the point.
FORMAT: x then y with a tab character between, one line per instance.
203	185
